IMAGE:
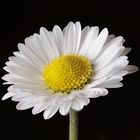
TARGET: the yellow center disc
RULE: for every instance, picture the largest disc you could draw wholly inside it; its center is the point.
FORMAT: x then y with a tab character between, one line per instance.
67	72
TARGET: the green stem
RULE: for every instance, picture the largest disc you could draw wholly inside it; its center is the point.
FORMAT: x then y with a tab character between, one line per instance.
73	125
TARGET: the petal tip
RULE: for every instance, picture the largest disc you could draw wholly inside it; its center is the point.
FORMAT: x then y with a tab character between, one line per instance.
3	98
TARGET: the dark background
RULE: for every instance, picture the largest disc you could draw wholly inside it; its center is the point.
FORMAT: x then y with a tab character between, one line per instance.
113	117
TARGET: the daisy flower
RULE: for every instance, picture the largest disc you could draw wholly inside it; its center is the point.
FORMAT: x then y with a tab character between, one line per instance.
60	70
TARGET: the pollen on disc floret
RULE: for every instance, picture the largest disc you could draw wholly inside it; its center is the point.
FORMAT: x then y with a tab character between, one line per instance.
67	72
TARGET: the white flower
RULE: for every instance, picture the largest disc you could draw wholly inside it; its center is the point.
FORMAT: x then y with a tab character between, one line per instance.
60	70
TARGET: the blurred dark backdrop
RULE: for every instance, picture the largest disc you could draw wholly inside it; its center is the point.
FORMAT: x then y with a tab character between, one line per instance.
114	117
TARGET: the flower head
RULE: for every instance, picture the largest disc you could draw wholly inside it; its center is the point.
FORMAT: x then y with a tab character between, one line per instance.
58	70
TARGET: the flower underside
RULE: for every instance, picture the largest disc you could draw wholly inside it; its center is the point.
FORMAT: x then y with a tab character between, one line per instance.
67	72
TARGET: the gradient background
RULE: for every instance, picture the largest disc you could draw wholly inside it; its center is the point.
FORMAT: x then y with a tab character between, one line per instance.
113	117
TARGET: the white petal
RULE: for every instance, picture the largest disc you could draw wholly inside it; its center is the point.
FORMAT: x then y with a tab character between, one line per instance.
98	44
43	103
30	87
58	38
39	41
49	112
18	80
126	51
111	59
111	85
114	78
35	50
111	51
19	54
24	105
8	77
120	63
22	58
7	95
65	107
78	34
29	55
94	92
84	33
23	72
12	89
131	69
38	108
20	96
109	38
78	103
90	50
28	101
72	34
10	63
70	38
105	71
24	63
113	69
36	45
6	83
90	35
95	82
50	44
107	43
111	82
120	73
